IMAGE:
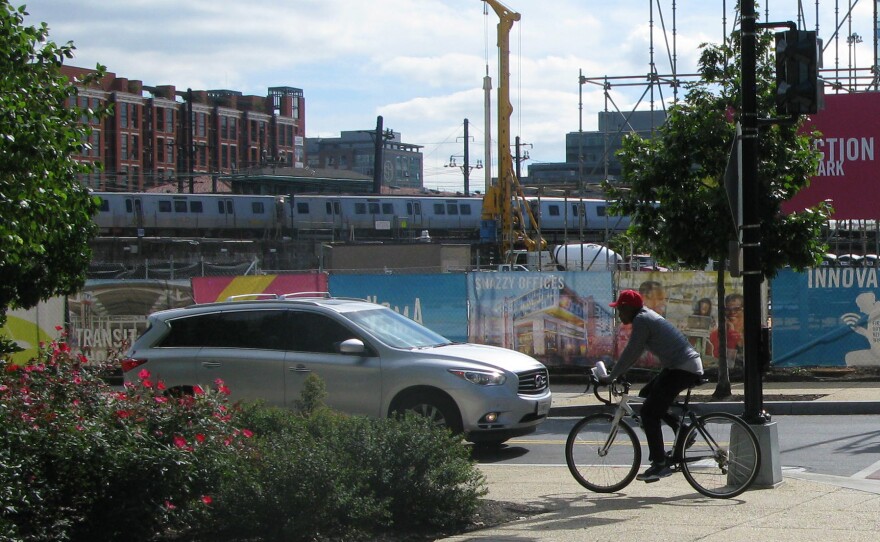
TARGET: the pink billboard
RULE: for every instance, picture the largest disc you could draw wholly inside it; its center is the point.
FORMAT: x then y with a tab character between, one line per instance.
848	173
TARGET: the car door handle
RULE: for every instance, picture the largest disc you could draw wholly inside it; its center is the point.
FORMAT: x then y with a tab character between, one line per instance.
210	364
300	368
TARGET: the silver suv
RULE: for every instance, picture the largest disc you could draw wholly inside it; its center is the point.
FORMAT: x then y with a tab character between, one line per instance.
373	361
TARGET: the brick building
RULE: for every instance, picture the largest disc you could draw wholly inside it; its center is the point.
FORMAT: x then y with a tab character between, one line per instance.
159	136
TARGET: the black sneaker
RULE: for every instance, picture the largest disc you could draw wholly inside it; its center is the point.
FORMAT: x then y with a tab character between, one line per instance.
655	472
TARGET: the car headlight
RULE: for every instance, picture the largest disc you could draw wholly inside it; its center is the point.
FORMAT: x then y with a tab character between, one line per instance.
480	378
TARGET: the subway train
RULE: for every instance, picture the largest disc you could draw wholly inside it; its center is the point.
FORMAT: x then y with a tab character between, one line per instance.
254	216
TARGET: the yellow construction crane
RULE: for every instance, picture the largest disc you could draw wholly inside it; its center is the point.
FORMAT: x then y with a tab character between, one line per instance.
504	203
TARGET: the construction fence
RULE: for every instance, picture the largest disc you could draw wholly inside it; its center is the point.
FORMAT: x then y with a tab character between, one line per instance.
827	316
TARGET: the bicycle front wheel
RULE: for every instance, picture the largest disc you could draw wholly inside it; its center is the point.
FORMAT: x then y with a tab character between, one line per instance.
721	456
601	456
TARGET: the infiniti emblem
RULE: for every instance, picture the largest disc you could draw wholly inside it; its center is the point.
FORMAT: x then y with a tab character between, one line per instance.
540	381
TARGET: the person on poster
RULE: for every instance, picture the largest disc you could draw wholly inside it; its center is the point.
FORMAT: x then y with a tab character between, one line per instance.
870	307
681	368
654	295
734	323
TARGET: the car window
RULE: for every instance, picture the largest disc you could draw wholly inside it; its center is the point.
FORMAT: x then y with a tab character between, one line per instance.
312	332
263	329
395	329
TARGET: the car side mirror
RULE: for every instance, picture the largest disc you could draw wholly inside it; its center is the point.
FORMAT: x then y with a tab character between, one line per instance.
352	346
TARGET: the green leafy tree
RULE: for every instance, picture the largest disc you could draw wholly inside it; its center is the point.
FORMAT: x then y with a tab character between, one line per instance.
47	214
674	183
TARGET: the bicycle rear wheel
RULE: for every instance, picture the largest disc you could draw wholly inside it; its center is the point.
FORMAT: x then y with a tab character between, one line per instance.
600	456
724	458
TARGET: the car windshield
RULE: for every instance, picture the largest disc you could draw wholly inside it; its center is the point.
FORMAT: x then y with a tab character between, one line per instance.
395	329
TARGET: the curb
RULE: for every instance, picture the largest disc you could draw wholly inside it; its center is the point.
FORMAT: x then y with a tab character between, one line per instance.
778	408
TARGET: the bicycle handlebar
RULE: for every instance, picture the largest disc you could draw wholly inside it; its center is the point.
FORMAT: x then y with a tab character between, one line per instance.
616	388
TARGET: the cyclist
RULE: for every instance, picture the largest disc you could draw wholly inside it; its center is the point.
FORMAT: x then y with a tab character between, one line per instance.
681	368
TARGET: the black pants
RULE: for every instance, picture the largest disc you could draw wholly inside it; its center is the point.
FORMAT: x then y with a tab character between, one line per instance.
659	394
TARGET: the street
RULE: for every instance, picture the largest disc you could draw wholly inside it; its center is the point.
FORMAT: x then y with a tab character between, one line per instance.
846	446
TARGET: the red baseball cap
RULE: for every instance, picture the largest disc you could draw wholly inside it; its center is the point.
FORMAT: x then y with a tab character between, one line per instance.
628	298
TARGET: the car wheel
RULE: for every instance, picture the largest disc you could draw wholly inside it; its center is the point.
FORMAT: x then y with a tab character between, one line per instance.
439	409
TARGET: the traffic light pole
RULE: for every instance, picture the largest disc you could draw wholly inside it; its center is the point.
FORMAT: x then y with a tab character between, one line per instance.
770	474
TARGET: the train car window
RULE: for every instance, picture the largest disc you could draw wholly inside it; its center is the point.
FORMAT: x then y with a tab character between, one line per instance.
337	209
418	208
164	206
328	207
439	209
128	206
600	210
221	208
553	210
465	209
387	209
302	207
374	208
360	208
196	207
576	209
105	206
180	206
258	208
452	208
230	210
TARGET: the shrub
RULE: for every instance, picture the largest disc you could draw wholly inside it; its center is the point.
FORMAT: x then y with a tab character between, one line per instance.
80	461
329	476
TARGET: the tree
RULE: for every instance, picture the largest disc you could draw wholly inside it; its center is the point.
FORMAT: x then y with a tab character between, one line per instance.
674	183
47	214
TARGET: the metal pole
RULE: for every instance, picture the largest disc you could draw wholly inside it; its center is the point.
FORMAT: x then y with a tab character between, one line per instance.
467	166
752	275
378	158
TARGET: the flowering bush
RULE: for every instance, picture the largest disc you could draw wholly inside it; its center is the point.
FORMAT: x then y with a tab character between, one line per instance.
82	461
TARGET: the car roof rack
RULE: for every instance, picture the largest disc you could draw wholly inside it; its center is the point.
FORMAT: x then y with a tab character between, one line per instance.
263	296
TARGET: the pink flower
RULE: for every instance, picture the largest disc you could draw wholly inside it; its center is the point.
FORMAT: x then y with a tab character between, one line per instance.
58	328
122	414
147	383
144	374
207	499
160	399
169	505
179	441
247	433
198	390
77	379
160	385
200	438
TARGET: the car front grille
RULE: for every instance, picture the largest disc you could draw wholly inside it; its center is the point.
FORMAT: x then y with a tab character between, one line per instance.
533	382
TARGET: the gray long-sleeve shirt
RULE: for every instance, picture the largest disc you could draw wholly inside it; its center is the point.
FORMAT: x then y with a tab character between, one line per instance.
652	332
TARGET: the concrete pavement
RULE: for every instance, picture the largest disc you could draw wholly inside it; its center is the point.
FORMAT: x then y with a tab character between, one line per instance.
805	507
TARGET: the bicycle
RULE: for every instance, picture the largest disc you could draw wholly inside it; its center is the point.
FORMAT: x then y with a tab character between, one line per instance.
718	453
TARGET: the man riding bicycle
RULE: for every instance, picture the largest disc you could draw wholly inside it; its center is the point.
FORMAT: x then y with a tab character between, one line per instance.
681	368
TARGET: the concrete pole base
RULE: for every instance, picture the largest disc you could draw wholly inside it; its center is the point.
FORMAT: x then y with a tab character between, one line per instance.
770	475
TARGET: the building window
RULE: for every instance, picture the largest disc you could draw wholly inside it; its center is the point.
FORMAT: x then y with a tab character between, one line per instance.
224	156
123	114
169	119
160	150
160	119
123	146
224	127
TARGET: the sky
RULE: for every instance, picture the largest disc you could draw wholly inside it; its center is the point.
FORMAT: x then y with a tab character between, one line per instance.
420	64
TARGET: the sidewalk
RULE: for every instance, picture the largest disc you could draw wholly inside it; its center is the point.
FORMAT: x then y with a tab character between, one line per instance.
805	507
799	510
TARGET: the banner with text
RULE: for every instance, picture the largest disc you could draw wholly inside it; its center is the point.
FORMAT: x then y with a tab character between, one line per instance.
848	168
828	316
562	319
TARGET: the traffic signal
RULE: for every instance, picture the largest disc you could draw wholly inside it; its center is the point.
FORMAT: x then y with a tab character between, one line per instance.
798	89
